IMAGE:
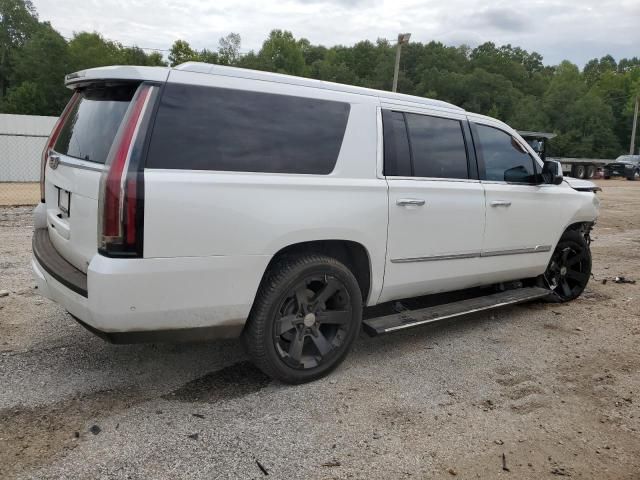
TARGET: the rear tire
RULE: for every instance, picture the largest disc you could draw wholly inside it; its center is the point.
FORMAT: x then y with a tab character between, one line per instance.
305	317
578	171
591	171
569	269
635	176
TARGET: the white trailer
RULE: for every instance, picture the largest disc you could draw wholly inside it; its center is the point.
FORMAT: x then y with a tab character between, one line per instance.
581	167
574	167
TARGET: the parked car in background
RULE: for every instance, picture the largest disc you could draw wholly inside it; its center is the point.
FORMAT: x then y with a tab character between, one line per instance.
627	166
205	201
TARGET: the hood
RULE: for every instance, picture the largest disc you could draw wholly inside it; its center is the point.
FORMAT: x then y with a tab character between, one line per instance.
581	185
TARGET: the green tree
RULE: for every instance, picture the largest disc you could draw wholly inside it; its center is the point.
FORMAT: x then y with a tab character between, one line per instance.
565	89
90	49
18	20
181	52
137	56
229	49
38	74
281	53
25	99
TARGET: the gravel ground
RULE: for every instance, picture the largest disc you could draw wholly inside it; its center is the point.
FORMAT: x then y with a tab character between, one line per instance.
534	391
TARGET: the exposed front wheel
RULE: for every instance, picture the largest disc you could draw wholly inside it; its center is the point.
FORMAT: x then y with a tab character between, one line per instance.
305	317
569	269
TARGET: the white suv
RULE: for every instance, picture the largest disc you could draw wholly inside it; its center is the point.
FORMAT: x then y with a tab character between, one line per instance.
204	202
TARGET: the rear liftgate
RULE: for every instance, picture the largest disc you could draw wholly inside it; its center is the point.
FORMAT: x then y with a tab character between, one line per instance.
413	318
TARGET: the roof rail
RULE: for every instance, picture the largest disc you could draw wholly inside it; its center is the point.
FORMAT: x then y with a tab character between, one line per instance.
211	69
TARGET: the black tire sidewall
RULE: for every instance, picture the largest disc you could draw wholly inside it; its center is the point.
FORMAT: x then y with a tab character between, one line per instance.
575	239
266	312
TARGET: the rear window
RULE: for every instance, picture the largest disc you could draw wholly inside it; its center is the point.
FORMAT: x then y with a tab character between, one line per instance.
438	147
206	128
93	122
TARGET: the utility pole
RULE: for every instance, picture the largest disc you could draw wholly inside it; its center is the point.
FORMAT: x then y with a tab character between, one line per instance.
402	39
633	129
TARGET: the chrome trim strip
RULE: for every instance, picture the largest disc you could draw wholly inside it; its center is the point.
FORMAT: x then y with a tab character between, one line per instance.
456	256
431	258
81	164
517	251
434	179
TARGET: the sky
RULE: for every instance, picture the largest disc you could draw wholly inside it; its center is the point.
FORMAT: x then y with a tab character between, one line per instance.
576	30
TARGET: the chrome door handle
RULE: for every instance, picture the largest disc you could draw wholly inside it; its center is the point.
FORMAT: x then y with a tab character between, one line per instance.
403	202
500	203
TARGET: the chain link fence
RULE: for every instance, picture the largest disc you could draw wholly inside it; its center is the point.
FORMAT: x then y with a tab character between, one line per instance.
22	139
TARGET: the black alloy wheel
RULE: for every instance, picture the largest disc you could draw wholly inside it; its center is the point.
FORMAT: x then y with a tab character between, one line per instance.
569	269
305	317
313	321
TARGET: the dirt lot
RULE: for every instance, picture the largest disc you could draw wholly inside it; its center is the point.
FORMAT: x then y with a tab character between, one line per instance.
534	391
13	193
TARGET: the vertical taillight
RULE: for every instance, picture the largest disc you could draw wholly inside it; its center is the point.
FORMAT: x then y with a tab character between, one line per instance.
51	141
120	204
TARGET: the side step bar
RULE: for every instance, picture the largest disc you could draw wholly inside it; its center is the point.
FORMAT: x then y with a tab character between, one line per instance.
413	318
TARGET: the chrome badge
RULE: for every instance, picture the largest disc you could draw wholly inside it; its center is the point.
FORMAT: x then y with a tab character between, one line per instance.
54	160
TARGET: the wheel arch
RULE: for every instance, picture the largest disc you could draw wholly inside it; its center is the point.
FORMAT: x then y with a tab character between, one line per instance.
583	227
353	255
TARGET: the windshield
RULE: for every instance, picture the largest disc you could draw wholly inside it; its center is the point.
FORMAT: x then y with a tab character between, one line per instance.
628	158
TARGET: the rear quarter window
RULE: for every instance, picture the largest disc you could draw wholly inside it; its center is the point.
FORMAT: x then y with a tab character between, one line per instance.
207	128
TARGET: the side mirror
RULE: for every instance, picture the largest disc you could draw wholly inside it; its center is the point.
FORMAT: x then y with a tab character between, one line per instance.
552	172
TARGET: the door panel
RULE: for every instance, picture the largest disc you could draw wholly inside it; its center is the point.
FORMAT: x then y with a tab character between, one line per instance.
512	211
519	238
435	246
523	217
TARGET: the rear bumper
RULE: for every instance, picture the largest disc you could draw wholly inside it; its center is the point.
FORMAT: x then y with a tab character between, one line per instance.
154	299
619	173
56	266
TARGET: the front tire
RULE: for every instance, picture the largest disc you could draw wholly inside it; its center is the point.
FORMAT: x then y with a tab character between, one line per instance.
306	315
569	269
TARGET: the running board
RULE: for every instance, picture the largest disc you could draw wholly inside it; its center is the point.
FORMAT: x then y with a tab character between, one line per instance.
413	318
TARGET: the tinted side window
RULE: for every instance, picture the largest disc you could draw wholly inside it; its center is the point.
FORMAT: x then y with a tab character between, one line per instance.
93	122
505	160
205	128
397	159
437	147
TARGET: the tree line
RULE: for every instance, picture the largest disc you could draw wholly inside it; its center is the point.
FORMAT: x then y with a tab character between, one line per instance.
590	109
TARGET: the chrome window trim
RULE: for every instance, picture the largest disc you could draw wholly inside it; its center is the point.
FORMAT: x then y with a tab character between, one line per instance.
81	164
515	184
434	179
431	258
457	256
517	251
